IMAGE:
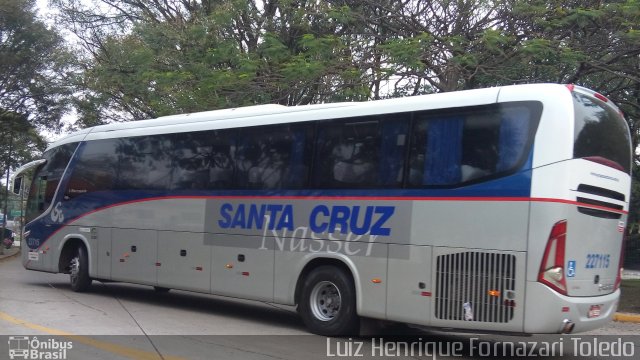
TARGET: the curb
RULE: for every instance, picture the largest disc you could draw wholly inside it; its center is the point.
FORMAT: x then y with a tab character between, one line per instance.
6	257
625	317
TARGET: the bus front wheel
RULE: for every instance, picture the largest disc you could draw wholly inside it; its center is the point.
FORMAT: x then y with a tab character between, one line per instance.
79	270
328	302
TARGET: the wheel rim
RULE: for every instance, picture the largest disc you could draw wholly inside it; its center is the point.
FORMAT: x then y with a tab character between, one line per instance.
325	301
75	269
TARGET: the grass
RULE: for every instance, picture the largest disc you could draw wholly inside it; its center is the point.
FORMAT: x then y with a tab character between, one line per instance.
630	298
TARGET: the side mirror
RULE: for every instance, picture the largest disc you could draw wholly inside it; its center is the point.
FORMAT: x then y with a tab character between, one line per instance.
17	185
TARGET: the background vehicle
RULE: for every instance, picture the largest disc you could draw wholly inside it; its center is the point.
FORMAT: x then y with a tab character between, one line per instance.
468	210
10	222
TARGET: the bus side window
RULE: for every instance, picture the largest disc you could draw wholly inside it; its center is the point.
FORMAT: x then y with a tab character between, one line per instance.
417	154
270	168
246	157
144	163
348	154
495	140
301	147
436	150
467	145
479	145
94	170
274	157
220	165
393	142
514	136
202	160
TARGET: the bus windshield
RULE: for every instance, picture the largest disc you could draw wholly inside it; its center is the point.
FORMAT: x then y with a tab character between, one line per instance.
599	131
46	179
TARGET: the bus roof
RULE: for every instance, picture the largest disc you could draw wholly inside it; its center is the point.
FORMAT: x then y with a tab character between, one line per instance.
279	114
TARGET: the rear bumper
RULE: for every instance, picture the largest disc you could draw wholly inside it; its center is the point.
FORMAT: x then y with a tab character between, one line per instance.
546	310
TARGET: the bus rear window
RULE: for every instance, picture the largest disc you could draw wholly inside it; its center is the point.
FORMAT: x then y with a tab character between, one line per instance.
600	133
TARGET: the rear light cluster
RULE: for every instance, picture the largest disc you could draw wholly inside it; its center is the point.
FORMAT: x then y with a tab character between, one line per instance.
598	96
552	267
605	162
552	272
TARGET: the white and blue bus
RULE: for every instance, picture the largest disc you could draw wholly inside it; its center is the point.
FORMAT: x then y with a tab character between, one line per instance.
470	210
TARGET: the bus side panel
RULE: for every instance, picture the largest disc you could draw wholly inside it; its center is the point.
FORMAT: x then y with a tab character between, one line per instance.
486	224
371	294
134	256
242	266
184	261
409	284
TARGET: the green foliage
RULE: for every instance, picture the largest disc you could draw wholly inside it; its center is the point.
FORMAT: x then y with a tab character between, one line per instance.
33	64
34	93
215	59
146	59
156	58
408	52
20	141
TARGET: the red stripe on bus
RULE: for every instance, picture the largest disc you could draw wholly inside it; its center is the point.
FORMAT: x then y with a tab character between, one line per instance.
354	198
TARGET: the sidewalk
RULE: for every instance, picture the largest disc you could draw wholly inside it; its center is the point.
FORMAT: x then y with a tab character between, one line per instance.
7	253
630	274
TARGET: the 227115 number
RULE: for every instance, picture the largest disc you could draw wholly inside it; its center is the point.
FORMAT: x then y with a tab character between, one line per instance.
598	261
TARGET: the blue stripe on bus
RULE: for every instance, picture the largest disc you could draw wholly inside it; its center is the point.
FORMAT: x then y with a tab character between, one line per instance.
516	186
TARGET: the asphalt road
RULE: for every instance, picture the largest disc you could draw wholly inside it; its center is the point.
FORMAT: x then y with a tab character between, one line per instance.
125	321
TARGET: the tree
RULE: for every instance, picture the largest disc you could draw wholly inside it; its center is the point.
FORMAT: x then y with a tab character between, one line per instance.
33	91
20	141
147	59
33	66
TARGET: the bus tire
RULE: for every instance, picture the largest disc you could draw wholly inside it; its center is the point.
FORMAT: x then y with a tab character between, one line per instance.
79	270
328	302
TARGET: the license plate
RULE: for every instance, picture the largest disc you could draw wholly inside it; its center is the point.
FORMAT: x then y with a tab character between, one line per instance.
594	311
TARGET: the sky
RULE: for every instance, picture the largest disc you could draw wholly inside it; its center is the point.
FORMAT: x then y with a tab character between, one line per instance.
47	14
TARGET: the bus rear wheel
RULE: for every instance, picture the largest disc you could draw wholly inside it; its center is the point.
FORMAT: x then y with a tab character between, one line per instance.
79	270
328	302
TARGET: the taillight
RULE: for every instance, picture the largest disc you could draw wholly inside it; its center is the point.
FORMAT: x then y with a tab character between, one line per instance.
552	265
605	162
616	286
601	97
